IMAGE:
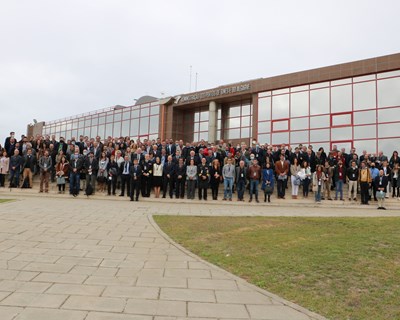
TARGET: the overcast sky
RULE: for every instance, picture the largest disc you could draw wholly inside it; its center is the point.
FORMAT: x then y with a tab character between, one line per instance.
60	58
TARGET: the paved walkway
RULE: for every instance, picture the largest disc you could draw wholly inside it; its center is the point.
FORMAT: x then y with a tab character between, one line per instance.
75	258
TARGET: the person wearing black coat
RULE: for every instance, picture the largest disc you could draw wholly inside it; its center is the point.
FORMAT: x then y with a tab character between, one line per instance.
136	177
180	179
113	170
381	183
169	177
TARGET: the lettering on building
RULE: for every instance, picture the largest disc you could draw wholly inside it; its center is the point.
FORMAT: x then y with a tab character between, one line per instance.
214	93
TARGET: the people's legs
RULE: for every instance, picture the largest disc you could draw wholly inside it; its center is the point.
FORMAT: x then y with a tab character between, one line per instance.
251	189
225	188
255	188
2	176
230	187
394	187
240	189
340	183
41	181
46	181
30	177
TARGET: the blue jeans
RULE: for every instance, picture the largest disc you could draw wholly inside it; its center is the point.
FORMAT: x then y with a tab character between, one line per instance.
254	188
339	188
240	186
318	194
74	182
15	173
228	184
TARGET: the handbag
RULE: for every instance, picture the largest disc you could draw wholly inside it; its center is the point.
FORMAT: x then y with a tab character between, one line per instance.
380	195
282	177
268	189
297	181
61	180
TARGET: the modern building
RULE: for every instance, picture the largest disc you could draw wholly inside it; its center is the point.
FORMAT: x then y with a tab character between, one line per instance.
355	104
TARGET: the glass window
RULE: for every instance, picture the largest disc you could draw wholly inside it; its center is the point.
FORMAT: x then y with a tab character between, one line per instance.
125	128
389	115
319	101
246	110
155	110
234	111
388	145
386	131
369	145
339	134
233	134
144	126
264	126
320	122
319	135
204	116
319	85
117	129
341	119
110	117
341	99
219	113
88	122
219	124
264	94
280	91
281	137
196	127
154	124
341	81
203	135
365	132
245	133
300	88
134	131
245	121
364	117
264	109
100	131
117	116
264	138
280	106
389	92
81	124
144	112
74	125
280	125
364	78
389	74
196	116
109	130
135	113
95	121
299	104
204	126
102	120
126	114
364	95
299	124
299	136
233	123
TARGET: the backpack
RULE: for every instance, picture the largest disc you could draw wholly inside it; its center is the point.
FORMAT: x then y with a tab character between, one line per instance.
89	190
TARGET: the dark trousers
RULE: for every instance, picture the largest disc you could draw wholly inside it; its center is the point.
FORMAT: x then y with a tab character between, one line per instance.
364	187
191	186
281	188
240	186
14	174
374	190
202	193
125	180
74	183
168	183
145	186
61	187
111	184
135	189
214	190
395	187
2	179
306	185
180	188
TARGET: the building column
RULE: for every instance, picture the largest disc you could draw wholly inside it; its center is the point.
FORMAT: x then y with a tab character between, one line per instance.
212	122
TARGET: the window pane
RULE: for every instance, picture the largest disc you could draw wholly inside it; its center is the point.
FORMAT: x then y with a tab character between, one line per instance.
389	74
245	121
281	91
234	111
204	116
341	119
134	131
117	116
232	134
364	78
319	135
117	129
109	130
341	81
264	126
204	126
341	99
125	128
196	116
280	106
264	138
100	131
319	101
386	131
299	104
264	109
245	133
154	124
74	125
388	145
144	112
364	95
279	138
364	117
245	110
320	122
135	113
319	85
280	125
155	110
299	136
144	126
203	136
88	122
102	120
301	88
110	117
126	115
368	145
264	94
341	134
233	123
365	132
389	92
299	123
389	115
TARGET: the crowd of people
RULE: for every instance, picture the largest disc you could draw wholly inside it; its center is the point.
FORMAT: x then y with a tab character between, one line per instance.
176	169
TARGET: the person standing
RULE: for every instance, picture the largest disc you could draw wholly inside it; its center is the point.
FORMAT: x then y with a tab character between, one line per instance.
381	183
136	176
294	177
340	176
352	176
268	181
125	176
281	169
157	176
215	178
365	180
254	176
16	163
61	174
228	173
147	172
91	166
328	172
204	177
191	176
4	167
102	174
45	164
169	174
29	166
180	179
318	183
76	165
241	180
112	170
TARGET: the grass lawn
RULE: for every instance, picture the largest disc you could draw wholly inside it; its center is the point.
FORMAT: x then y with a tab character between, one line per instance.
342	268
4	200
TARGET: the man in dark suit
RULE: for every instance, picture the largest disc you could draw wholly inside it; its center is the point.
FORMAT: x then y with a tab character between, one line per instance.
171	147
194	157
281	169
381	183
125	169
136	177
168	179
